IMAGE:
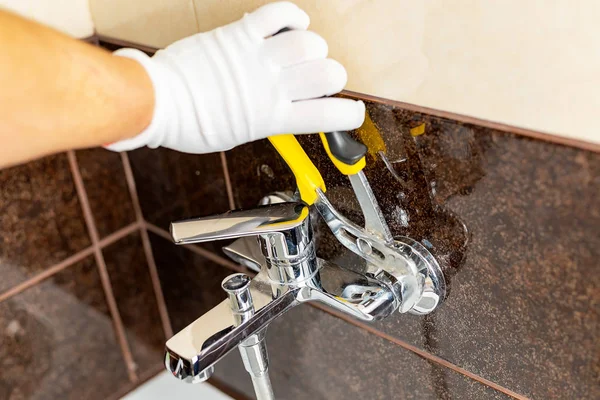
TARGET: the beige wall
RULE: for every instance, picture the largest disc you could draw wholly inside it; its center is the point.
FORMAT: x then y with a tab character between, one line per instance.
532	64
69	16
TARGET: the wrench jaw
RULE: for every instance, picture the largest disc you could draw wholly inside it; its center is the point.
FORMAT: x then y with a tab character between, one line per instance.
429	275
434	285
405	266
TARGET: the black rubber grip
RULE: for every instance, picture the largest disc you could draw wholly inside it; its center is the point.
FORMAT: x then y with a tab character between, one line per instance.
344	148
282	30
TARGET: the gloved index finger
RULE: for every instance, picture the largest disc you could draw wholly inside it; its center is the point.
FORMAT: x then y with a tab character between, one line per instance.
295	47
323	115
271	18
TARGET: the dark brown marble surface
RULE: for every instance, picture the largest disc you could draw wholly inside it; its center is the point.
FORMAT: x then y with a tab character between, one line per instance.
57	340
136	301
523	311
191	284
40	218
514	223
174	185
315	356
106	187
256	169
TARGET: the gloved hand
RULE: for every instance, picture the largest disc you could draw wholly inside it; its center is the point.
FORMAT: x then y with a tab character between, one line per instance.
238	83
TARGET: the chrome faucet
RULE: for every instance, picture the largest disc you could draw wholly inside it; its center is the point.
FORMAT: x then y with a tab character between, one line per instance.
277	240
291	274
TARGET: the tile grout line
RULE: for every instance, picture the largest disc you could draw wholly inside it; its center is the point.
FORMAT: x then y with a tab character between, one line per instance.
102	269
503	127
199	250
422	353
213	257
479	121
176	203
227	181
67	262
113	237
46	274
158	293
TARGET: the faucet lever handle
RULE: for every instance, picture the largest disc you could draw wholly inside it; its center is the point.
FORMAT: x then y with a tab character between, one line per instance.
263	220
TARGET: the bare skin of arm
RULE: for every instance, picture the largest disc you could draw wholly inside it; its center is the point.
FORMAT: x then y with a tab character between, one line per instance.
58	93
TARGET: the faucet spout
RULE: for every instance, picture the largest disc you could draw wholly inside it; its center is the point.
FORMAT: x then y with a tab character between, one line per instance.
204	342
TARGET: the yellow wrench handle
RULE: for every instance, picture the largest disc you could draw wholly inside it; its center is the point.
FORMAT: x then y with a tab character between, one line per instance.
308	177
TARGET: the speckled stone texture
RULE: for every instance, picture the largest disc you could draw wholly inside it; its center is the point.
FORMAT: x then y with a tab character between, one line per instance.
104	180
256	169
523	311
514	223
57	340
136	301
40	218
315	356
191	284
174	185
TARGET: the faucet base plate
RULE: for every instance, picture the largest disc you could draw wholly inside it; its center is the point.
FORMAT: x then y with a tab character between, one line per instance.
434	291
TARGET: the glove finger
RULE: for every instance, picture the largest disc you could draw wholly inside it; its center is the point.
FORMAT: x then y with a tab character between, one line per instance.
295	47
271	18
314	79
324	115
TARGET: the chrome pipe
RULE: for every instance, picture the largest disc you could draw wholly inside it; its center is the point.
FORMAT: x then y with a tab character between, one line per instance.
254	349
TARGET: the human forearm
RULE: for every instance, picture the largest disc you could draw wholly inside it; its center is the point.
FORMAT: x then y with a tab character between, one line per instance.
262	75
58	93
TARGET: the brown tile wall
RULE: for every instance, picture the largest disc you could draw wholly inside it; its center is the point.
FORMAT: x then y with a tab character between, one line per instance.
515	224
90	281
76	293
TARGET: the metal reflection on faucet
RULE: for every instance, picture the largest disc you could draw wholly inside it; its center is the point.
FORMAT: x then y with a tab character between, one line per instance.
290	274
253	350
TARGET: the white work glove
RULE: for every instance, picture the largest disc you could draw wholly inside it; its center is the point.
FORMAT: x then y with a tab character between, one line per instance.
238	83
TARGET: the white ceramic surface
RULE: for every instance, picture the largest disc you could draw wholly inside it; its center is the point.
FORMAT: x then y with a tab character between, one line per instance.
531	64
72	17
163	386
